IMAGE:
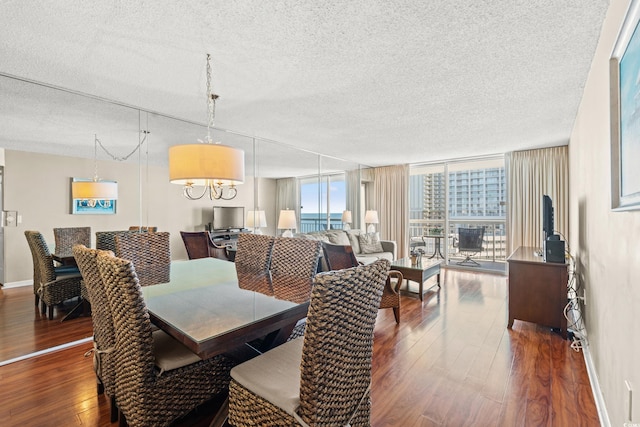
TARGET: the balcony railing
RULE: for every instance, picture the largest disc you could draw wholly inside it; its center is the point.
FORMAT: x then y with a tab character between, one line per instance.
494	246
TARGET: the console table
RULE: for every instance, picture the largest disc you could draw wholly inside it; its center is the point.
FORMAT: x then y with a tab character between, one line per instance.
537	290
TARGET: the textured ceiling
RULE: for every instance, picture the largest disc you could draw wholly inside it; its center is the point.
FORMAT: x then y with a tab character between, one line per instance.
378	82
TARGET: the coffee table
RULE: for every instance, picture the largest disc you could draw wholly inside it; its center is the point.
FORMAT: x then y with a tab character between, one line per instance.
418	273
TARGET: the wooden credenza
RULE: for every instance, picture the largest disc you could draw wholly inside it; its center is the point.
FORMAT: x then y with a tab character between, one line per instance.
537	290
224	243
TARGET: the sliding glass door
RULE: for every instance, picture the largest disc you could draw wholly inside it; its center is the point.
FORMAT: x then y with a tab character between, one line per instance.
473	195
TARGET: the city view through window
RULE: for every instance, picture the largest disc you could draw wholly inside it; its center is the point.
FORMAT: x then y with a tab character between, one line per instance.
476	198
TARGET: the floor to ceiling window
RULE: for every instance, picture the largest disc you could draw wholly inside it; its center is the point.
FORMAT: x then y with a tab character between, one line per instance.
473	195
322	199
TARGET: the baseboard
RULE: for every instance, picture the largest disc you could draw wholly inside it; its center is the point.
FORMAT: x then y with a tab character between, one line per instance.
19	284
595	388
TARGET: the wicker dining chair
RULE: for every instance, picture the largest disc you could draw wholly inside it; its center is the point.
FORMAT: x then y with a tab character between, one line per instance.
51	286
66	237
106	240
150	254
196	243
104	338
323	378
293	265
253	260
143	229
146	395
339	257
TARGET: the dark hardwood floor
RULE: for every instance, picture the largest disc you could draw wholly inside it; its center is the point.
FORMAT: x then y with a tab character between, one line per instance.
451	361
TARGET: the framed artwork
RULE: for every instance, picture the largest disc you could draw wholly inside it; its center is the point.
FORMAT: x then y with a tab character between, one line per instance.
624	67
92	206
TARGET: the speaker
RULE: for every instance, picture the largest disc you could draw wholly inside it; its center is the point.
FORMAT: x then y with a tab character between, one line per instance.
554	251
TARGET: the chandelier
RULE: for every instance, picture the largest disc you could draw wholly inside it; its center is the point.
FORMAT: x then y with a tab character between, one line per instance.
217	168
95	192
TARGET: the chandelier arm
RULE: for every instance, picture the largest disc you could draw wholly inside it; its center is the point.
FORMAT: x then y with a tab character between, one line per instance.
188	190
232	190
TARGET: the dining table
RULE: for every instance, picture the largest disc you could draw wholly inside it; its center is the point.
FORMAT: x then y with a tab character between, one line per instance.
203	307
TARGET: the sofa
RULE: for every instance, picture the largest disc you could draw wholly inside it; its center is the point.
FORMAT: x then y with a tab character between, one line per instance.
367	247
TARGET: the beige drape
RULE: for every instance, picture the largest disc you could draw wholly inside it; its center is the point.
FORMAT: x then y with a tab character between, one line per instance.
391	189
352	181
288	197
530	175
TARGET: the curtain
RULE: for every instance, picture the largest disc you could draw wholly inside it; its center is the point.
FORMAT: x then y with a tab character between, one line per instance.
391	196
530	175
288	197
352	184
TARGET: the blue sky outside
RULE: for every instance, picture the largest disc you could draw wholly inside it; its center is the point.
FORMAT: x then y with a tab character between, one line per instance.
309	197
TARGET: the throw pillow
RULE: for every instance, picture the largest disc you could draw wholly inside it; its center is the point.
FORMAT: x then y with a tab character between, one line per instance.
370	243
353	239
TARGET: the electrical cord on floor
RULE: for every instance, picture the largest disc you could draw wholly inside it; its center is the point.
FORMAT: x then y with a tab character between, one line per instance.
572	311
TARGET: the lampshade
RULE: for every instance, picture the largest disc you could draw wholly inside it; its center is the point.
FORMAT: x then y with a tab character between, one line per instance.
256	219
346	217
100	190
200	164
371	217
287	220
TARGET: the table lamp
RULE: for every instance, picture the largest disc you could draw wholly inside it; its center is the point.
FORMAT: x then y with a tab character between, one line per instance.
371	218
287	222
346	220
256	220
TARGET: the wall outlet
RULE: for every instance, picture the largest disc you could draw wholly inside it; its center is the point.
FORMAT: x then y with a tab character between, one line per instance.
628	404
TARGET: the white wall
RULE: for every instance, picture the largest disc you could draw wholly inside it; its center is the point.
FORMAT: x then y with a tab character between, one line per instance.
38	187
605	243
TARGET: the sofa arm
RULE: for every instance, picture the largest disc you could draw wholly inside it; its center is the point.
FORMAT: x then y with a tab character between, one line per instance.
390	246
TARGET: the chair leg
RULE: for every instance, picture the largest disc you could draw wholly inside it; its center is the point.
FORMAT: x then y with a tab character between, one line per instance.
37	299
114	410
396	314
43	307
51	312
122	421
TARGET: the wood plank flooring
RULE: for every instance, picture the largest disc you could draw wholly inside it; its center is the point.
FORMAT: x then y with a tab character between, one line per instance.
24	330
451	362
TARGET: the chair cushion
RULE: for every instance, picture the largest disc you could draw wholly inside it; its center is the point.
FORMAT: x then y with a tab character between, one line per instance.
370	243
274	375
170	353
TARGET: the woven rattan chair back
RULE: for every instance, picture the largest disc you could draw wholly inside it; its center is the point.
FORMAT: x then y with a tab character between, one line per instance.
143	229
144	396
66	238
391	293
335	369
43	271
339	257
338	345
293	266
196	243
49	289
253	260
106	240
104	337
150	254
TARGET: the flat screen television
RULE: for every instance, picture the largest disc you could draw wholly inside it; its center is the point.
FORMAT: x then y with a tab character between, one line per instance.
547	217
228	218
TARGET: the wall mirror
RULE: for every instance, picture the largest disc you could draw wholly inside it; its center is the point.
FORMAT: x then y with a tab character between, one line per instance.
38	121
